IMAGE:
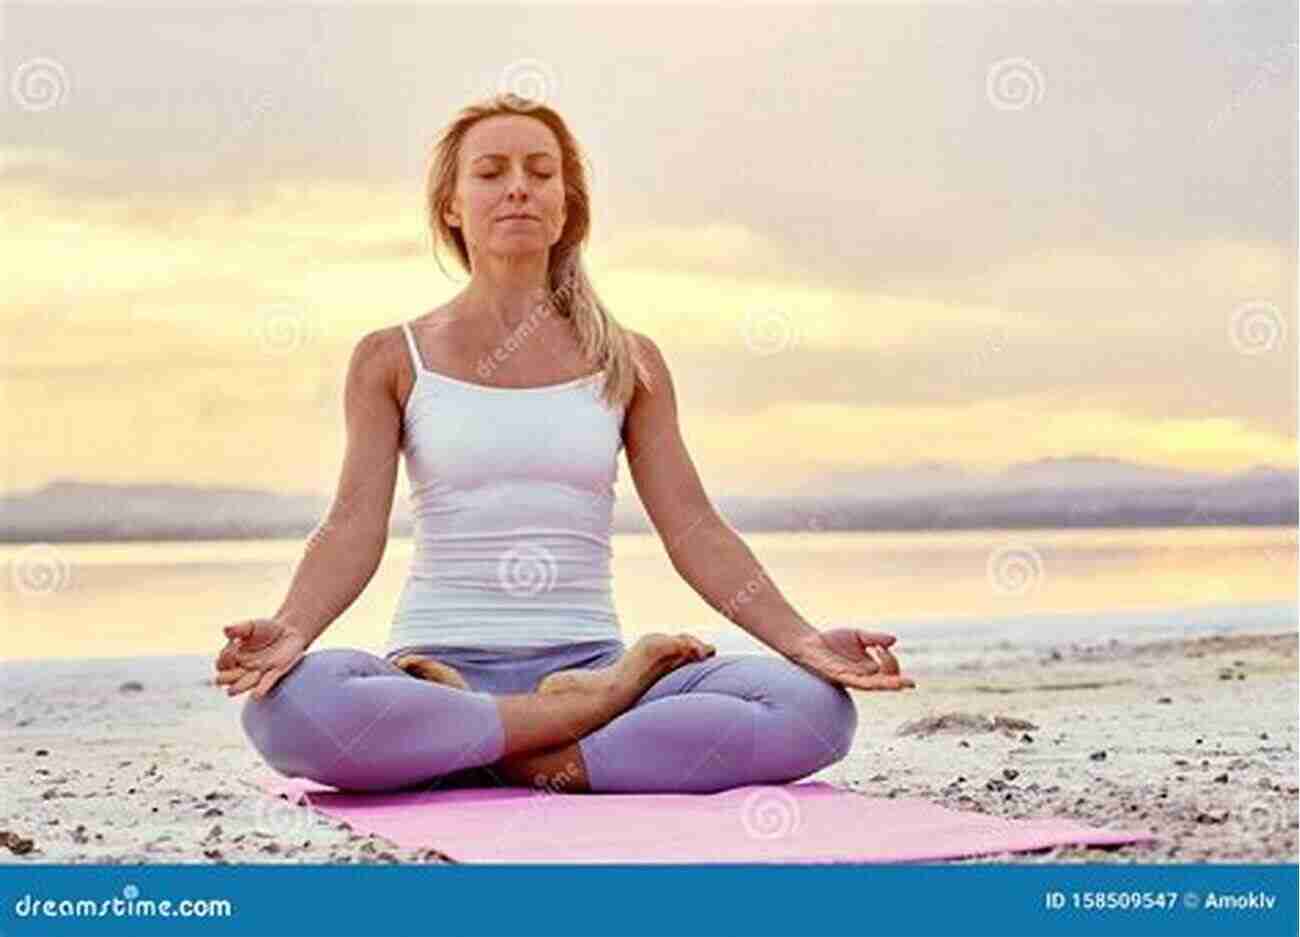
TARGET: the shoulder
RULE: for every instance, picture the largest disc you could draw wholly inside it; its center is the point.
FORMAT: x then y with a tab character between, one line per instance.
651	357
378	359
659	380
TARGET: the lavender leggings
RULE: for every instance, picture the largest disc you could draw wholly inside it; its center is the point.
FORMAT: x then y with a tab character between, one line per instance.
350	719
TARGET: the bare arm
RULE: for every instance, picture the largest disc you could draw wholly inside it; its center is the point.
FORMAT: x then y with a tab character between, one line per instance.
705	550
345	549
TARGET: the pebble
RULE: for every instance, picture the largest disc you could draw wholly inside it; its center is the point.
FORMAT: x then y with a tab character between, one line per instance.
131	686
1010	773
18	845
1222	778
1098	756
1165	699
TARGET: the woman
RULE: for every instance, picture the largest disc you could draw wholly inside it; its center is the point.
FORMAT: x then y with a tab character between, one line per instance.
505	664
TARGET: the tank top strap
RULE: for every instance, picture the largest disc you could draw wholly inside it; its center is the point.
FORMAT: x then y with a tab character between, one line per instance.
416	363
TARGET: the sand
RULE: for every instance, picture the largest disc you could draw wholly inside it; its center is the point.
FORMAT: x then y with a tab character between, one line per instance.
142	760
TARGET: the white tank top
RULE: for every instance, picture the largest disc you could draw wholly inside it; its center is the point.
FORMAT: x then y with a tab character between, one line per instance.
512	497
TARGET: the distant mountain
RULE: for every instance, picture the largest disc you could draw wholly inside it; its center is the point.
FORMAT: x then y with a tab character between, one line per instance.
1089	472
1075	473
1070	492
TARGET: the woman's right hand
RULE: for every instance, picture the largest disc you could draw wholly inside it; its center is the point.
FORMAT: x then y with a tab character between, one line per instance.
257	654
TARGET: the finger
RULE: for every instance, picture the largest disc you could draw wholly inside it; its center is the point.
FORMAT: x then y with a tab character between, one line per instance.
876	638
888	663
269	679
226	658
259	657
245	682
253	659
229	675
884	683
240	629
695	644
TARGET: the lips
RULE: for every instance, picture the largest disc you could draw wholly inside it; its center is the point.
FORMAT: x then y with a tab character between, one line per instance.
518	218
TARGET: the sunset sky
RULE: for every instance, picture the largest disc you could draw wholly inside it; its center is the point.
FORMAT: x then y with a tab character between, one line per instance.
863	236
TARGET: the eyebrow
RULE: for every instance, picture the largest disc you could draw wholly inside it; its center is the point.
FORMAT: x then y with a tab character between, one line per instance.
504	156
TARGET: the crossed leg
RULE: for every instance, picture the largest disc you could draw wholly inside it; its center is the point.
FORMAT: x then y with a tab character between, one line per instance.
722	722
347	718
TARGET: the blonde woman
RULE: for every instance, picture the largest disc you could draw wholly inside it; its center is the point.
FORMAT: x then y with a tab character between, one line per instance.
505	663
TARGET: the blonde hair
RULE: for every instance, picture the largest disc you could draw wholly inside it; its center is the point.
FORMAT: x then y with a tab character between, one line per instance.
570	293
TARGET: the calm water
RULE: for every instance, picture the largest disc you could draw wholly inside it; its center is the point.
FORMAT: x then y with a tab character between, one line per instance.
941	593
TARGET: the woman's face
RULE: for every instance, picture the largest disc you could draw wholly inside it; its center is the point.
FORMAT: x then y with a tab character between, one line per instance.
509	164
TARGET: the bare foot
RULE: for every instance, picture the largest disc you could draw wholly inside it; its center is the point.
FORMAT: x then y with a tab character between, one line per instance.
431	669
632	674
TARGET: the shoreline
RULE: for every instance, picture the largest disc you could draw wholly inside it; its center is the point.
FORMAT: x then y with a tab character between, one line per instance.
123	761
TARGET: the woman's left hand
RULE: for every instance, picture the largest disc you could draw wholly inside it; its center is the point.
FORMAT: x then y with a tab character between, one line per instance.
852	657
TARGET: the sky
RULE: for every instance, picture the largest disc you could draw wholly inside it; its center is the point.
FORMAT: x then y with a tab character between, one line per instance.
863	235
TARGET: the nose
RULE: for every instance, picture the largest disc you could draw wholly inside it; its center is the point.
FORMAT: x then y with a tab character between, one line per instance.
517	191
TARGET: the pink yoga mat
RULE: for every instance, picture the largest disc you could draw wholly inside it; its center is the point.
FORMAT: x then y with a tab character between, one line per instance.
804	822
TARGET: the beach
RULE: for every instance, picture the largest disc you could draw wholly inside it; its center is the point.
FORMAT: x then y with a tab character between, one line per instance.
143	760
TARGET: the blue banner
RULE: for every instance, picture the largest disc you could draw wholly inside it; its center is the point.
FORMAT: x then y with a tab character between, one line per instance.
607	900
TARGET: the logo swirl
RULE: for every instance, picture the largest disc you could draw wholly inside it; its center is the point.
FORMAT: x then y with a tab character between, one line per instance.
527	569
1257	328
530	80
282	330
39	84
39	569
1014	84
768	332
770	813
1015	569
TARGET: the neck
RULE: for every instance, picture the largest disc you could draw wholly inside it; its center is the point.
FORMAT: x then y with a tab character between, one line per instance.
505	291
